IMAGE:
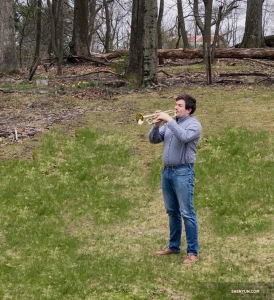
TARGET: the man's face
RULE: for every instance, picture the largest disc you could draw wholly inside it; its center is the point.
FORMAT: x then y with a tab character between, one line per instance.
180	109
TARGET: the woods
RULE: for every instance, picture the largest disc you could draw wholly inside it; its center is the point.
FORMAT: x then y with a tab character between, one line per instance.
81	206
36	30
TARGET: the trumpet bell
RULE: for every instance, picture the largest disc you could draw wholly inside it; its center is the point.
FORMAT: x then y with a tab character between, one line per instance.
140	119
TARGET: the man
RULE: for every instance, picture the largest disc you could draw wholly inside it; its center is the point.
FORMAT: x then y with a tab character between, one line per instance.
180	137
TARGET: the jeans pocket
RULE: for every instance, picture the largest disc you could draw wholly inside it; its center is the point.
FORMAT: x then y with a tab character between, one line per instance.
182	171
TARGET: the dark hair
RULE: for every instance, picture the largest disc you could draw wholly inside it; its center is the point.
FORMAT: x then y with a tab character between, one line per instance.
189	100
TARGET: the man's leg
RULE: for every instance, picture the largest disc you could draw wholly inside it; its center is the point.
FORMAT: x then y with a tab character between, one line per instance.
173	210
184	187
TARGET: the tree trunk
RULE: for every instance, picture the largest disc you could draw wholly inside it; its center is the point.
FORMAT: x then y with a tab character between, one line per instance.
134	70
150	43
80	28
207	39
36	58
197	17
8	61
253	36
56	17
207	28
38	31
91	20
216	35
60	38
182	26
159	27
108	27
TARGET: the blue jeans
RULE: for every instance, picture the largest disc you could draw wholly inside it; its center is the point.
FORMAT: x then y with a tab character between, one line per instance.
178	193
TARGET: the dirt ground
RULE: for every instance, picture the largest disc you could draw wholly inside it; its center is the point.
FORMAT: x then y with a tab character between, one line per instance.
28	109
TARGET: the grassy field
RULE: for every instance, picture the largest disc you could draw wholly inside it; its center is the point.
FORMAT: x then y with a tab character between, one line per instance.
82	214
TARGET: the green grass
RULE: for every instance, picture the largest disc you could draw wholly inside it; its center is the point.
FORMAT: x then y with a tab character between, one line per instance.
235	177
53	206
241	189
83	217
218	66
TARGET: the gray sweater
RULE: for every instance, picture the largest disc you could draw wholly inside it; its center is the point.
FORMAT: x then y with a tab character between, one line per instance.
180	138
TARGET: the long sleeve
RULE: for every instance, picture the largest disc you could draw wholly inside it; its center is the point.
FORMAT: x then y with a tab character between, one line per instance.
156	134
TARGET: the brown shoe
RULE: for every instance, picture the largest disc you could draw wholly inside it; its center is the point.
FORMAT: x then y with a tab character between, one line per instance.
165	251
191	258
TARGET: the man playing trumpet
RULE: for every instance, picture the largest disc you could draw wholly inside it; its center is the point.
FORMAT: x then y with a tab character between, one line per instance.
180	137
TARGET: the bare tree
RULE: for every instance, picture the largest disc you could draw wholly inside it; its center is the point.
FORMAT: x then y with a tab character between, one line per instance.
217	28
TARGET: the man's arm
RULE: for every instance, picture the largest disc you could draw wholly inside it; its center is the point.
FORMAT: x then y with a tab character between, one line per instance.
156	134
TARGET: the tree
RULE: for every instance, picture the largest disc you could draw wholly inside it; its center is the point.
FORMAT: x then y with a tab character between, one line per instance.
38	34
207	24
56	10
21	21
253	35
181	26
217	29
150	43
134	70
143	58
107	39
159	27
8	61
79	44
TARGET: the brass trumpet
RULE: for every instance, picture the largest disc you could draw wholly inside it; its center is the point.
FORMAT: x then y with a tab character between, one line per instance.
140	119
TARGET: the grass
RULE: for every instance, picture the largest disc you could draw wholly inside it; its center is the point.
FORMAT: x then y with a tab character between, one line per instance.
219	65
82	218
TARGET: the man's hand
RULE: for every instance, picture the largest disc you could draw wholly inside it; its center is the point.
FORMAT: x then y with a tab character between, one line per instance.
161	116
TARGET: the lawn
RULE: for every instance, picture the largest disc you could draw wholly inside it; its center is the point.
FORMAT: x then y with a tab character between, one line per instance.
82	211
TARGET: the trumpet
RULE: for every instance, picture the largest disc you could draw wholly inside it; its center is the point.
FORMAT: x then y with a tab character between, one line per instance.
140	119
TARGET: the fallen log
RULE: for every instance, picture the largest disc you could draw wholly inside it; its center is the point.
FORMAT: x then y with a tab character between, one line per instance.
243	74
239	53
269	40
7	90
260	62
111	55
